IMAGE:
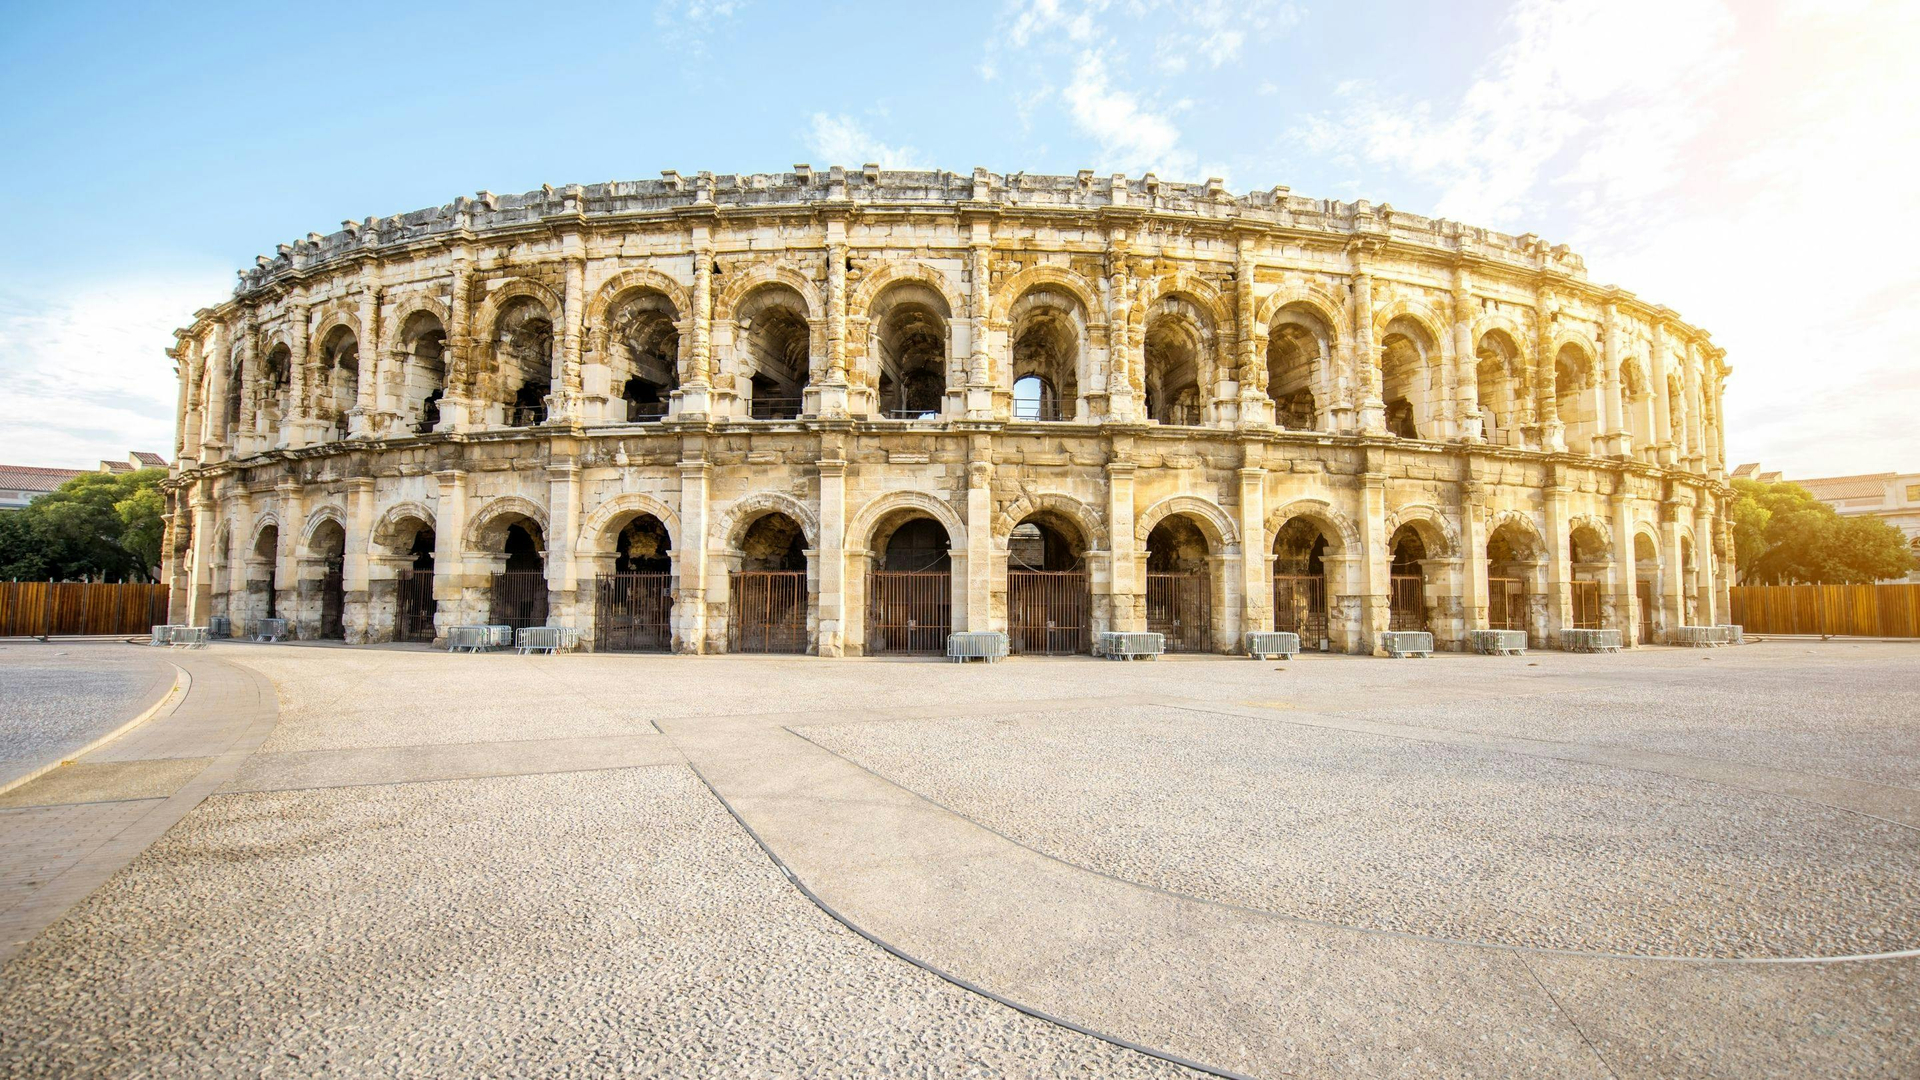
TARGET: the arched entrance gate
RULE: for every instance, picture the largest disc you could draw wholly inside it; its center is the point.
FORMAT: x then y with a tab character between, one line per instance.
910	592
633	608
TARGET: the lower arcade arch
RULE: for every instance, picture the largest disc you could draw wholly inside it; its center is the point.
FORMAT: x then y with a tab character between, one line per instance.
634	590
909	587
1646	588
1301	573
1516	599
323	591
263	569
517	589
1587	555
1180	583
401	577
769	609
1407	606
1049	596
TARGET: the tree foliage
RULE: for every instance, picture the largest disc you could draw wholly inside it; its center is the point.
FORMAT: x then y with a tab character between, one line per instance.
96	526
1782	535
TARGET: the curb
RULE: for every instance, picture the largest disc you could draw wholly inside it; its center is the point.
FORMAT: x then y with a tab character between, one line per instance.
177	693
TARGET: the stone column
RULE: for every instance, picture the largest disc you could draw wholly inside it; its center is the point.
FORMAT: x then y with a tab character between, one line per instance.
568	402
690	602
1467	379
696	388
1696	435
1553	433
356	615
1256	592
1708	568
200	604
245	439
186	440
1559	557
364	418
1256	408
1662	435
981	571
980	305
1672	587
832	548
297	425
1625	568
1372	414
286	571
827	392
1375	556
456	401
220	379
1473	555
1123	583
1121	401
563	512
449	559
1616	441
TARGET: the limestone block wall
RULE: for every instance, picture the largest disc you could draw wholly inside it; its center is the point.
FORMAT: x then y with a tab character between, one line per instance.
1145	383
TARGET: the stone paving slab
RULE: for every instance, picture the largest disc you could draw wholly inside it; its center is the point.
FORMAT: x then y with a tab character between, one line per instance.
106	781
407	764
569	924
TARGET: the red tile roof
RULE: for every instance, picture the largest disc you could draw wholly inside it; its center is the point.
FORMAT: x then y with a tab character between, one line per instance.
34	478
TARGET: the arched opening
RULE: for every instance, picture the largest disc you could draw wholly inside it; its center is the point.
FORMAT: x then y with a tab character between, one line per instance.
1513	561
1500	379
1298	344
779	350
340	379
1646	586
423	357
1587	551
1048	330
768	594
327	551
1572	368
1177	339
645	354
909	339
1180	585
230	408
263	572
1407	581
1300	582
910	590
1034	398
1049	600
523	362
410	542
272	403
1407	370
634	612
1689	584
519	595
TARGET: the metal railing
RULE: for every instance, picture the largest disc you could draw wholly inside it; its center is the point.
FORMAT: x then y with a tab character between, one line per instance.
1037	410
545	639
1180	607
1498	642
1584	640
646	412
1265	644
988	645
633	613
775	407
1404	643
1047	611
1121	645
909	611
768	611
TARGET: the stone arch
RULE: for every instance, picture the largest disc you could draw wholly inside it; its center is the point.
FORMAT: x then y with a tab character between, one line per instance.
1523	522
1343	536
747	509
1084	517
384	532
329	512
480	530
412	304
1508	326
509	290
600	531
1646	529
637	279
331	315
861	526
1058	277
1416	311
1436	531
1213	522
1196	290
767	273
1599	528
890	273
1328	307
261	524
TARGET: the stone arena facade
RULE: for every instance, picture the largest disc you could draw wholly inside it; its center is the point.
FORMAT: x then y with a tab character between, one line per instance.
848	411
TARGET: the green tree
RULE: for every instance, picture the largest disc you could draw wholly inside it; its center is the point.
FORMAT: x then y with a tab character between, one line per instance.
96	525
1782	535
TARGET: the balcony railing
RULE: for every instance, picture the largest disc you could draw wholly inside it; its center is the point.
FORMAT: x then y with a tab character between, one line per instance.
1036	410
526	415
646	412
775	407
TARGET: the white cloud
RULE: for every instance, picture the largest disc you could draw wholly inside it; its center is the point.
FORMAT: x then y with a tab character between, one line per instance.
1131	135
685	25
83	377
840	140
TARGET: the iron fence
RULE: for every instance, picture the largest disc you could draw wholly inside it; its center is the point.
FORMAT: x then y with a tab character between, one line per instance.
769	611
909	611
1180	608
634	613
413	606
1048	612
1300	607
519	598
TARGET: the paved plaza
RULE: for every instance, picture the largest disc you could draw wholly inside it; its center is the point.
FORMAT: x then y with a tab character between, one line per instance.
388	861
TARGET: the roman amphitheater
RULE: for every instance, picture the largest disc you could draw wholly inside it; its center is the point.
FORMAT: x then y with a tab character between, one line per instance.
849	411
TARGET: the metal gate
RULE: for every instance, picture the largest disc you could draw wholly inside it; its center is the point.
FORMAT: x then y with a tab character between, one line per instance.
519	599
769	611
1643	593
1300	607
1406	602
1507	605
909	611
1586	605
333	605
413	606
1180	606
1048	612
633	613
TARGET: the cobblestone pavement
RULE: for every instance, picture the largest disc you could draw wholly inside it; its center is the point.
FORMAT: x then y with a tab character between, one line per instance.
55	697
458	865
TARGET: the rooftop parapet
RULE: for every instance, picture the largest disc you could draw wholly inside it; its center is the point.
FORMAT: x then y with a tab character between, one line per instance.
805	186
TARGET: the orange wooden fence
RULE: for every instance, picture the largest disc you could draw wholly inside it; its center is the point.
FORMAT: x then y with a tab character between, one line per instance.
55	608
1850	610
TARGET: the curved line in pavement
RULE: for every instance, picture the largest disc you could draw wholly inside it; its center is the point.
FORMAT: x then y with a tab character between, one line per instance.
1407	935
964	984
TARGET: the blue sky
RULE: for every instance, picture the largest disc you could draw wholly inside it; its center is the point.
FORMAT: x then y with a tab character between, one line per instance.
1743	163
